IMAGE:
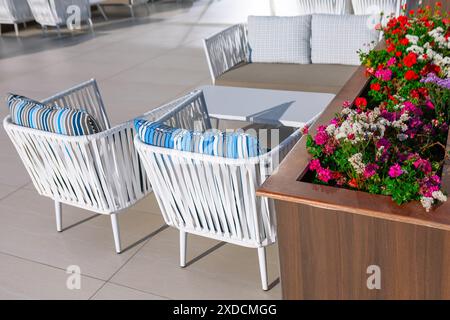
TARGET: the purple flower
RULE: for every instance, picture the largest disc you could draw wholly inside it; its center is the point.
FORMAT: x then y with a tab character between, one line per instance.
370	170
395	171
433	78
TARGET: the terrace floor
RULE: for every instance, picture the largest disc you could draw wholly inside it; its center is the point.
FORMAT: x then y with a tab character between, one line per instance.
139	65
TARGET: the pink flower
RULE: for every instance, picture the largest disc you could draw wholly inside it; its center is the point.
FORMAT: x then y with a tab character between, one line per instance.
391	61
324	174
321	137
384	74
430	104
305	130
329	148
423	164
395	171
370	170
314	165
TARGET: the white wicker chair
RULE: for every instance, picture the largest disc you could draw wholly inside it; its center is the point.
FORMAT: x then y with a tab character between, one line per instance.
53	13
226	49
14	12
213	196
100	172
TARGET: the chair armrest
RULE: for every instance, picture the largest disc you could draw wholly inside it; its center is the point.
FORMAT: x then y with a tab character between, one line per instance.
226	49
188	112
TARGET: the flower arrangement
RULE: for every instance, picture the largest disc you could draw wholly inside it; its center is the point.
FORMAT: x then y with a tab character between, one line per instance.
392	140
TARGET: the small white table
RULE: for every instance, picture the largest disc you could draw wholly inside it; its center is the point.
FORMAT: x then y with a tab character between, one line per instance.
275	107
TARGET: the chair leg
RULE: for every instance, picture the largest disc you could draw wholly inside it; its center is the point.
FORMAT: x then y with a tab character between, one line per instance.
91	25
132	11
99	7
263	267
16	29
116	233
58	214
24	24
183	245
58	28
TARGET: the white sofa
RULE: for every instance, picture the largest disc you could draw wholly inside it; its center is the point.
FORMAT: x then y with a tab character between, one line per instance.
333	57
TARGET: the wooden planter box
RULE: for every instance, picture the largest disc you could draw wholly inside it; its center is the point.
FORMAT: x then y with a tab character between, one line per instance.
328	237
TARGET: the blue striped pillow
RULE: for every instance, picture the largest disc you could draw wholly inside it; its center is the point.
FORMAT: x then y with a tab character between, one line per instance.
235	145
32	114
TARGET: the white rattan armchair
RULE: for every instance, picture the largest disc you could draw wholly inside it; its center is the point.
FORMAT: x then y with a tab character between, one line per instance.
14	12
100	172
213	196
226	49
54	13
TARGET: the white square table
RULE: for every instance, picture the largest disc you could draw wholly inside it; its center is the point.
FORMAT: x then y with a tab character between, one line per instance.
275	107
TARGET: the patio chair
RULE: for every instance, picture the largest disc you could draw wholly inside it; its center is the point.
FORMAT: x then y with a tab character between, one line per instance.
212	196
131	4
51	13
99	172
98	4
14	12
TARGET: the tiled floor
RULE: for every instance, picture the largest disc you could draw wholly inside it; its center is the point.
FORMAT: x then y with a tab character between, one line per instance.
139	65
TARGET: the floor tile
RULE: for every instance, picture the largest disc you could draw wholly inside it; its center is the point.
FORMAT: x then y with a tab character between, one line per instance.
111	291
158	261
22	279
30	232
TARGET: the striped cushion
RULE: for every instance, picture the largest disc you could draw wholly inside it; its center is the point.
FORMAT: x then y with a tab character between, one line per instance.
29	113
235	145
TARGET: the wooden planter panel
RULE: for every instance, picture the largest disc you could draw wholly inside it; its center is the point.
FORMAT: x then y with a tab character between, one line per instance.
328	236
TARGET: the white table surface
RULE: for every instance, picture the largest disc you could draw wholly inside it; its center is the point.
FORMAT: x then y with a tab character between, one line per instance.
277	107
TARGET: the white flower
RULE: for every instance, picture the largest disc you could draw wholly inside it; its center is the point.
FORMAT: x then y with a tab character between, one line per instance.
357	163
416	49
330	129
402	136
438	195
427	202
412	39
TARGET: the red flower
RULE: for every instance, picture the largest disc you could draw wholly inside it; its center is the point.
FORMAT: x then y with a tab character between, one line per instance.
353	183
361	102
398	53
375	87
404	42
411	75
410	59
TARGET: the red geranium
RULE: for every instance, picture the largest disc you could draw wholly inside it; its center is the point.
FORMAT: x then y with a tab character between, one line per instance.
411	75
404	42
361	102
375	86
410	59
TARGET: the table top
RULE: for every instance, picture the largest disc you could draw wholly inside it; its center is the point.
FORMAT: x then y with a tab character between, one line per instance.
276	107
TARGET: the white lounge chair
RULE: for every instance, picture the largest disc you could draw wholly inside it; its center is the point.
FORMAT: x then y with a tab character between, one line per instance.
131	4
212	196
100	172
14	12
51	13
